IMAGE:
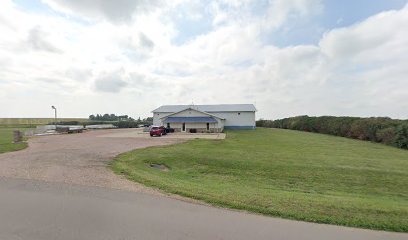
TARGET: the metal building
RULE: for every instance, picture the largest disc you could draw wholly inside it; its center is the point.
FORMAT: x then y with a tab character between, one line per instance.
205	118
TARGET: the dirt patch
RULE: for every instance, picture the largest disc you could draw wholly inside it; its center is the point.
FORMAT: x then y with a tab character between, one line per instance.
161	167
77	158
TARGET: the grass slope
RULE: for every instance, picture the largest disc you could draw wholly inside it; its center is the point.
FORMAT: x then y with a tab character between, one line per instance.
6	141
290	174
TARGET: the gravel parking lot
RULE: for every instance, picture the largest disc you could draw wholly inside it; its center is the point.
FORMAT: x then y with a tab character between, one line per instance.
78	158
138	133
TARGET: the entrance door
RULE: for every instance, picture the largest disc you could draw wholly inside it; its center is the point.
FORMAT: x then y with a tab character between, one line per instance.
183	128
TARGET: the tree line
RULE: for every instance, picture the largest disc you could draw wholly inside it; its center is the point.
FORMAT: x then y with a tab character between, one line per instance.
384	130
121	121
110	117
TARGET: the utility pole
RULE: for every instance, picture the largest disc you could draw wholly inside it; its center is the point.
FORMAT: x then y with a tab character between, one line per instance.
55	115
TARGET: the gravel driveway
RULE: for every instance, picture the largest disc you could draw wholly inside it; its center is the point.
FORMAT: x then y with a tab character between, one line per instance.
77	158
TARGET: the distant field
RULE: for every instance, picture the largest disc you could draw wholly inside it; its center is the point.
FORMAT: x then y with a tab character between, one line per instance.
290	174
35	121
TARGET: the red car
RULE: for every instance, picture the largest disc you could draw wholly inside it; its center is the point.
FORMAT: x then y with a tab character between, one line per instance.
157	131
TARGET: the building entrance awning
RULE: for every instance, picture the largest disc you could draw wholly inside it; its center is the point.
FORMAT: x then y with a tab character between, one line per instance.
190	120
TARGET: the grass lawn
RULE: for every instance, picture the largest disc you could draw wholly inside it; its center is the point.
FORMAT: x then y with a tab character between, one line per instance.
6	140
7	125
290	174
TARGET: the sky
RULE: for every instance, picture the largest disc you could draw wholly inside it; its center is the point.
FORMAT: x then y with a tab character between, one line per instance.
288	57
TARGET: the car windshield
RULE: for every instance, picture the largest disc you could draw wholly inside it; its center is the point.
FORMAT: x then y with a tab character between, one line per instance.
155	128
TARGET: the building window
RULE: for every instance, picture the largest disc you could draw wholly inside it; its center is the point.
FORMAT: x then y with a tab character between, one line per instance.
208	126
239	113
168	125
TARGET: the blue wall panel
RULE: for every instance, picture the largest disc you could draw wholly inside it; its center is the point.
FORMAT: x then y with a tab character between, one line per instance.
239	127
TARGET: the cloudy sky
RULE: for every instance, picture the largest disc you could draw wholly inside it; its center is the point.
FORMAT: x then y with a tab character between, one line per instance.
289	57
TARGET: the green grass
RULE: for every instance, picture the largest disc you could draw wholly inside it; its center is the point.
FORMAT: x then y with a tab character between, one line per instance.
7	125
289	174
6	140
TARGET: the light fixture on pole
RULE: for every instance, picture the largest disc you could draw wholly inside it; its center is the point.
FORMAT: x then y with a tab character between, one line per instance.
55	115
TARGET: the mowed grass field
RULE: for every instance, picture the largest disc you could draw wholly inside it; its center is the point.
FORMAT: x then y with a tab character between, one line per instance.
6	140
284	173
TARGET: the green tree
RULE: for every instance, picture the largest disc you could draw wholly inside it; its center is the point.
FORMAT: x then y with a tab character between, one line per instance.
401	136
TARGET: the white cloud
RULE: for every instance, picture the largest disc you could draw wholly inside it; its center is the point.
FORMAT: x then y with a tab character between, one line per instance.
37	40
281	11
116	11
380	33
103	65
111	82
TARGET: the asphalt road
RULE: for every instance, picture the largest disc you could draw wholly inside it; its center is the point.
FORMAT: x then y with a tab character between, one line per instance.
31	209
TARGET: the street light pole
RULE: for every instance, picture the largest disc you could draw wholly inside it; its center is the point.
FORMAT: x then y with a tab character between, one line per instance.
55	114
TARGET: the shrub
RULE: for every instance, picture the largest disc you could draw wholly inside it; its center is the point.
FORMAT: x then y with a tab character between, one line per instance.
401	136
126	124
386	135
65	123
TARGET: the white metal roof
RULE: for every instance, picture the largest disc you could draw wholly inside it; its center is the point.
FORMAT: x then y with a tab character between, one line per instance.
208	108
188	108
